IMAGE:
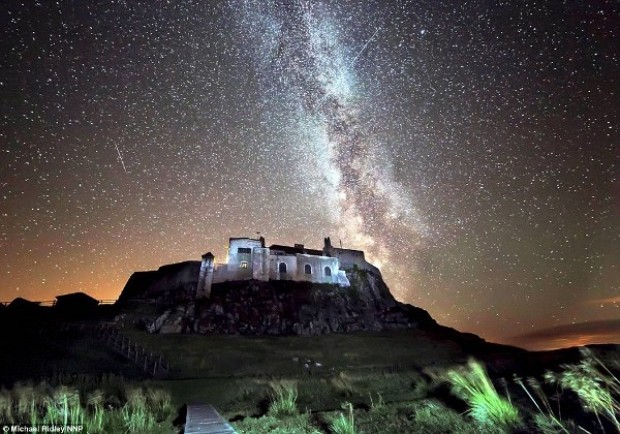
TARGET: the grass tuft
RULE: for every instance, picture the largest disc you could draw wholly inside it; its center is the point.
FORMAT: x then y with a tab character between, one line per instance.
283	399
472	384
135	413
343	424
159	402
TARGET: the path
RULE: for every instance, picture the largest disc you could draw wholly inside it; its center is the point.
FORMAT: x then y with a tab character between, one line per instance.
204	419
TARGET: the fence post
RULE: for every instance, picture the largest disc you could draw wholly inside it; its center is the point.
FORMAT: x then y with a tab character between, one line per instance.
151	363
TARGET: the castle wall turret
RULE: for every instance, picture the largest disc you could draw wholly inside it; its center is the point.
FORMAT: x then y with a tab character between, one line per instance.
205	278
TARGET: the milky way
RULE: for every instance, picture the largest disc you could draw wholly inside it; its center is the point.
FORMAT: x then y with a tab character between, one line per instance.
309	72
470	148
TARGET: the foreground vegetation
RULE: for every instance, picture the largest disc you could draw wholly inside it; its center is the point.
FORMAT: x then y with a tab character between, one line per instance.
99	405
401	381
590	384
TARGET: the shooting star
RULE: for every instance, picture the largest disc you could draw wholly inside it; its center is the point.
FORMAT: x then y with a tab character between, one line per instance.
350	65
121	157
363	48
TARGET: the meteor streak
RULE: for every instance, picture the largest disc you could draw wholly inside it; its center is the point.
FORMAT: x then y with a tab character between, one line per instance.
363	48
120	157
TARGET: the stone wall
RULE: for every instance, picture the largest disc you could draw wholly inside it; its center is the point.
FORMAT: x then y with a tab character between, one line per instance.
222	273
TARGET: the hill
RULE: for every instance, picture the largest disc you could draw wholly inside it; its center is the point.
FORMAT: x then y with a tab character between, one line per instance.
273	308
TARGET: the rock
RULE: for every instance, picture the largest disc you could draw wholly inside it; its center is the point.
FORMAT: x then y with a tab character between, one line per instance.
291	308
156	325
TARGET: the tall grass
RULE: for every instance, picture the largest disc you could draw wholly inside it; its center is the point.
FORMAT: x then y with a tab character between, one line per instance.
375	405
344	384
343	424
159	402
546	419
62	405
95	403
284	398
6	406
472	384
135	413
596	386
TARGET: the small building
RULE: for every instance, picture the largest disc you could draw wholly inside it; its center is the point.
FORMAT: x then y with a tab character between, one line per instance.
75	302
249	258
22	303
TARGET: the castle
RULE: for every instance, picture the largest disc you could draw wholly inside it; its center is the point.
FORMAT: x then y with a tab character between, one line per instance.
248	258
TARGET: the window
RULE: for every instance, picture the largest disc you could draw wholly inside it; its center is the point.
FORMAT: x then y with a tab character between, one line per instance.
244	264
282	267
328	271
308	269
241	250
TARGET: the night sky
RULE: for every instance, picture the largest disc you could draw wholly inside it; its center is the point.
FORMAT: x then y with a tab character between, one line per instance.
472	149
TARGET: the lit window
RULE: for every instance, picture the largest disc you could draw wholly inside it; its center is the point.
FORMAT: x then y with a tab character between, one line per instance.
308	269
244	264
328	271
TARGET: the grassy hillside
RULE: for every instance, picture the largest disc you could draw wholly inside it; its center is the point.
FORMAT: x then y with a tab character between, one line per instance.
370	382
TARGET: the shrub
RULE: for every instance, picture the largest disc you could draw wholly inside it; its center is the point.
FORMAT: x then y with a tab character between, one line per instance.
284	398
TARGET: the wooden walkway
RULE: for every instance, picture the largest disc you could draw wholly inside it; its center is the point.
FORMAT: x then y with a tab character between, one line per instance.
204	419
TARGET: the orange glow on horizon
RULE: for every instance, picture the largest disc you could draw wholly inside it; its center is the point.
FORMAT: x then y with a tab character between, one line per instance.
539	344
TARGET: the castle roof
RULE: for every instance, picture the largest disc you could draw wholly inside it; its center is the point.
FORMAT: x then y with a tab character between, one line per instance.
290	250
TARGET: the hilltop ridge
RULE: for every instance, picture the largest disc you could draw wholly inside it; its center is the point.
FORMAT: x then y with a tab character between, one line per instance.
276	308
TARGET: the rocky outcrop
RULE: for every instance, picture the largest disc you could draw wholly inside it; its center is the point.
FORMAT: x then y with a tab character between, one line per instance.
291	308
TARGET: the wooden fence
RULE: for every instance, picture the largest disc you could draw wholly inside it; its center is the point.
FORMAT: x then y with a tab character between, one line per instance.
152	364
49	303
